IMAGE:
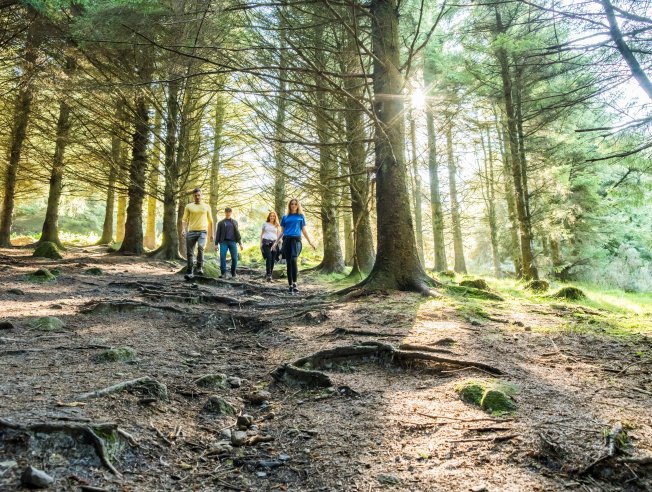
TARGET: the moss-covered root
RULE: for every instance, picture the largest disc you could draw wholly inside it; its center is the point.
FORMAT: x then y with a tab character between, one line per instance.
570	294
47	249
41	275
537	286
47	323
476	283
117	354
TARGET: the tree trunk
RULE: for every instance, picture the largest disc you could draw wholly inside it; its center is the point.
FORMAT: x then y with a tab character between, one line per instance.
279	124
333	260
115	164
133	240
515	246
441	263
397	263
22	109
458	245
218	126
149	241
416	188
169	249
364	256
50	231
527	256
491	201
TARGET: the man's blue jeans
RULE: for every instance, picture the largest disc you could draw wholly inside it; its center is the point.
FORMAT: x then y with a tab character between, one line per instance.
232	248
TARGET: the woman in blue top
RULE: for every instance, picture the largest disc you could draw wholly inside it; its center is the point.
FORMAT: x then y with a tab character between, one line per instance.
293	225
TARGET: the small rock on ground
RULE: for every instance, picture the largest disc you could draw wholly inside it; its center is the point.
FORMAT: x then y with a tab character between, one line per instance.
35	478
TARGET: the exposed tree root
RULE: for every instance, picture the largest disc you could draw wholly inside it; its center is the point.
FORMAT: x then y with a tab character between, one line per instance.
473	292
145	385
72	428
337	332
423	348
123	306
306	371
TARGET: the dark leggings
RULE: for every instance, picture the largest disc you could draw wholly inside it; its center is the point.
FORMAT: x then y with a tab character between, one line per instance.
293	270
291	251
270	258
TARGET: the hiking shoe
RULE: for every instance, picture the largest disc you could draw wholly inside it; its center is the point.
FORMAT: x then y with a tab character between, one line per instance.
295	289
269	278
290	290
200	272
223	275
233	275
188	276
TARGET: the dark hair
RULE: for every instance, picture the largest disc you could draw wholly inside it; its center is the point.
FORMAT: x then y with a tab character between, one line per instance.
196	190
228	209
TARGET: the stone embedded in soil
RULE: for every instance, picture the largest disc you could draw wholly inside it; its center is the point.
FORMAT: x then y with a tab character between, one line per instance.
244	421
94	271
16	292
41	275
35	478
238	438
234	382
226	434
6	325
477	283
497	402
47	323
47	249
219	406
222	447
259	396
117	354
211	381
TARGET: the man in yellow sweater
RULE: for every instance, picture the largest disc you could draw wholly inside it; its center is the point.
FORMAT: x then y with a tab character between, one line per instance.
197	224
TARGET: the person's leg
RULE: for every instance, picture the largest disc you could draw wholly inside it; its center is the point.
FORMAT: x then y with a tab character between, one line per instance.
223	249
233	248
290	267
270	262
201	244
191	239
295	270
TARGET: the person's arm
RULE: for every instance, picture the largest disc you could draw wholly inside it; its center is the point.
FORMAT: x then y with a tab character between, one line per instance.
184	221
210	225
217	232
238	237
262	231
278	240
305	234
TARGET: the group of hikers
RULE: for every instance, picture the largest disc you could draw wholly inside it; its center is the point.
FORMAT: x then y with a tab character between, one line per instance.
277	239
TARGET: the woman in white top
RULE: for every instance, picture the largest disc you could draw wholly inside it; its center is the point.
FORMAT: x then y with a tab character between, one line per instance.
269	236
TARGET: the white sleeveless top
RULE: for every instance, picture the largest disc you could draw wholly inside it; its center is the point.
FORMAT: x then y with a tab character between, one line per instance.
270	232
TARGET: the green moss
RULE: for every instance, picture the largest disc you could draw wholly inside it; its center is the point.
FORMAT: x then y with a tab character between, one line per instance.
113	442
476	283
118	354
570	294
471	391
94	271
47	249
492	395
538	285
47	323
217	405
41	275
497	402
447	273
212	381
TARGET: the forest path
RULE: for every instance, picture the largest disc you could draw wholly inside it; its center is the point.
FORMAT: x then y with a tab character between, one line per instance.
380	427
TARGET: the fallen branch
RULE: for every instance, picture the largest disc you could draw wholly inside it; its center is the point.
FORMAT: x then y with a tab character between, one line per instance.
145	384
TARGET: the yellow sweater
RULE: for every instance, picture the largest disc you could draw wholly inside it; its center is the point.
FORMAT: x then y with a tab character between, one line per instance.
198	216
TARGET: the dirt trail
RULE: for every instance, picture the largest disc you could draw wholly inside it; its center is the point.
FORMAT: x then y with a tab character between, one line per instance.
381	426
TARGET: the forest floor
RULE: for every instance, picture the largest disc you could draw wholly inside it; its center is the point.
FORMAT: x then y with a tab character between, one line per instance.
577	370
